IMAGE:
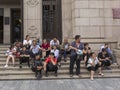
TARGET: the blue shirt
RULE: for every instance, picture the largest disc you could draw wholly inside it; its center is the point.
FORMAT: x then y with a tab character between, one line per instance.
35	49
80	47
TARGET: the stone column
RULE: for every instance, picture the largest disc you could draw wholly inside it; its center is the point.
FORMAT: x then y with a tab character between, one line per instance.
6	36
67	18
32	18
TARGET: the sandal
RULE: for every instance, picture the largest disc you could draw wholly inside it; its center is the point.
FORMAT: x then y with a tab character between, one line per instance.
101	74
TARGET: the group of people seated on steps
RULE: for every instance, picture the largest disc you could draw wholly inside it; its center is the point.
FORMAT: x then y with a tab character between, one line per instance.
46	56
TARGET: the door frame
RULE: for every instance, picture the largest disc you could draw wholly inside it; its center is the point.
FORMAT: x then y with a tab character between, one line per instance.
11	22
22	22
3	27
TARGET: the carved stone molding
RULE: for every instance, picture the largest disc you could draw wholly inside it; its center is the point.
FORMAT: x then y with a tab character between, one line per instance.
32	31
33	3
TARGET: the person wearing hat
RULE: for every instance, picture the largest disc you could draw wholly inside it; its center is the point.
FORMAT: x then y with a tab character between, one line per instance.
50	64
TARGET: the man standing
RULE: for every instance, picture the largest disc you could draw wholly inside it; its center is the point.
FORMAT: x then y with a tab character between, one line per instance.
76	47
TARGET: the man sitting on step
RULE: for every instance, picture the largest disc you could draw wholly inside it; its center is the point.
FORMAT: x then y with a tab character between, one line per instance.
109	51
105	59
38	66
50	64
24	56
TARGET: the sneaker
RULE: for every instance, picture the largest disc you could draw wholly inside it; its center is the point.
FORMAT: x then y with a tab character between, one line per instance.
101	74
20	67
6	66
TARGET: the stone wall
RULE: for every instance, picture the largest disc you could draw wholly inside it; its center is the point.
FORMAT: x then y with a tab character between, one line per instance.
94	18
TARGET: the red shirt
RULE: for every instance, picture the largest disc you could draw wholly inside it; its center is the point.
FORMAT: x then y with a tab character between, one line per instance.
45	46
49	60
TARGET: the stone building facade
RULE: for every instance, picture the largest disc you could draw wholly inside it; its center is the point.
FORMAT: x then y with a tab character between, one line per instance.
92	19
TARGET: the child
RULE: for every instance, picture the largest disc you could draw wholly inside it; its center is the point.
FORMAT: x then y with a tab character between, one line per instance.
38	66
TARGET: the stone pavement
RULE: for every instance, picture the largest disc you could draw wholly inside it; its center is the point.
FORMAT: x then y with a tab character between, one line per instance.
67	84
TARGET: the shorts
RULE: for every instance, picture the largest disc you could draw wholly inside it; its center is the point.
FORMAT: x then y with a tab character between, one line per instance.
91	68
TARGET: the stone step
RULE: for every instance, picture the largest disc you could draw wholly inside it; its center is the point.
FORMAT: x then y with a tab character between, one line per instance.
51	77
2	52
64	67
3	49
60	72
4	46
14	68
25	67
62	61
83	66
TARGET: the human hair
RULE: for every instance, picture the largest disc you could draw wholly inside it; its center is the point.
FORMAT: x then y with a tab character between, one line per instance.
26	36
52	53
11	46
34	41
38	55
77	37
92	54
103	50
85	44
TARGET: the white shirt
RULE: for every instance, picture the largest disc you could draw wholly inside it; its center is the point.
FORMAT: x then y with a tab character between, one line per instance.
56	52
102	48
90	61
27	42
52	43
9	52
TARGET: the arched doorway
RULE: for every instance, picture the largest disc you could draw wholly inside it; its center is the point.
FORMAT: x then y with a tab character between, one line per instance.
52	23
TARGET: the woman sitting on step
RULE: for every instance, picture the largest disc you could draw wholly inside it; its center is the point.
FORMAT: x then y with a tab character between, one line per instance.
93	64
11	52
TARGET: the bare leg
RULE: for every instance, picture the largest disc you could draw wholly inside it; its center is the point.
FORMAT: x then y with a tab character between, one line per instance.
92	75
7	61
100	71
13	60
